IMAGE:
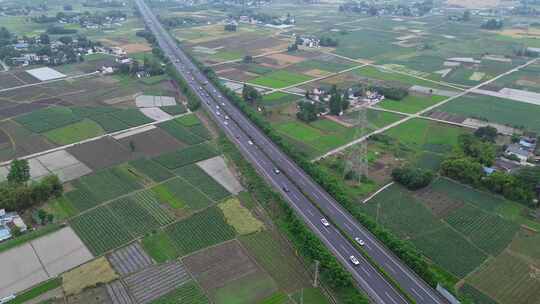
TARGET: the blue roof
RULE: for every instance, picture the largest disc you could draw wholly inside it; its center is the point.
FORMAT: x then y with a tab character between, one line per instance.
488	170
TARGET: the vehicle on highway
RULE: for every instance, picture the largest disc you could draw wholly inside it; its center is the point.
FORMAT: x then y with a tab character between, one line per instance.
325	222
354	260
250	142
226	117
359	241
218	113
225	122
276	171
285	189
223	104
217	107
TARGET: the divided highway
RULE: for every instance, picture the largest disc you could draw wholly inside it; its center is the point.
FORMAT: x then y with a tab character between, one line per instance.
297	187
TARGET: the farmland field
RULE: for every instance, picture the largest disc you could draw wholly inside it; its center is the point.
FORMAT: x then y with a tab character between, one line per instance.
239	217
498	110
188	293
151	169
489	232
180	132
197	177
186	156
278	98
450	250
248	289
199	231
132	216
160	247
274	257
75	132
508	279
110	183
100	230
47	119
190	195
280	79
411	103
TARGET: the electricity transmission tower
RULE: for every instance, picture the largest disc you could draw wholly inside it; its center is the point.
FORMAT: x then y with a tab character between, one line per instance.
356	157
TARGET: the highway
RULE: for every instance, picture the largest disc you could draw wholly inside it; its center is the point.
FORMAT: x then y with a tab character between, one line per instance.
304	195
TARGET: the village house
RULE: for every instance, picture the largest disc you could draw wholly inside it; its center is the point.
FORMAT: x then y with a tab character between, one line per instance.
8	222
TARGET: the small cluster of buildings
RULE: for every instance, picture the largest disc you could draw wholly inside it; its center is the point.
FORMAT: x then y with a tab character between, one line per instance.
8	222
91	21
412	9
523	150
308	41
356	96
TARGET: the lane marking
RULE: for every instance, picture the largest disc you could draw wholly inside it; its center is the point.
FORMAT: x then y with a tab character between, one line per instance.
416	293
391	299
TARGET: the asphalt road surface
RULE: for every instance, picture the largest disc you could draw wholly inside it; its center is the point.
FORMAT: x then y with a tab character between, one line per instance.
305	196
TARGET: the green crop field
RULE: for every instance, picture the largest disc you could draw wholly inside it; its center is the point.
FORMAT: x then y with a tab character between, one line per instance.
81	198
186	156
396	209
188	120
498	110
277	260
174	110
328	66
280	79
108	184
150	202
110	123
201	131
100	230
197	177
160	247
75	132
311	295
393	77
508	279
475	295
279	98
199	231
249	289
489	232
191	197
420	134
43	120
151	169
276	298
180	132
61	208
131	117
132	216
411	103
457	191
166	196
450	250
188	293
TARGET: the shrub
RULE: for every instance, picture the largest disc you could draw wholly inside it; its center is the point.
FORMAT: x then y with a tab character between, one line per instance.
412	178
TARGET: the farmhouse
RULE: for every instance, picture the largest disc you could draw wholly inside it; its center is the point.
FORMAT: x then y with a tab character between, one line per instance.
517	151
8	221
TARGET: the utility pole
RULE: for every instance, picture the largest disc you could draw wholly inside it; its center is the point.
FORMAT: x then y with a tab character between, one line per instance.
356	162
316	279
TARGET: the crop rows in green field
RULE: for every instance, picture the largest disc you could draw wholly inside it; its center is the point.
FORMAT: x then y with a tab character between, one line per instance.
276	298
187	193
199	231
180	132
279	98
108	184
132	216
81	198
399	211
489	232
457	191
100	230
149	201
282	266
131	117
47	119
186	156
188	120
197	177
475	295
450	250
280	79
188	293
201	131
151	169
174	110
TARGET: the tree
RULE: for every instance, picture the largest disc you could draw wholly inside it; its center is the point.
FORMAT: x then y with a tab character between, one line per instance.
66	39
471	146
412	177
307	111
247	59
19	172
230	27
335	104
44	38
487	133
292	48
250	94
492	24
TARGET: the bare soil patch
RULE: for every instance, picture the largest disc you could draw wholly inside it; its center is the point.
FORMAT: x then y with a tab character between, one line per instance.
216	266
151	143
136	47
101	153
284	60
96	295
439	204
447	117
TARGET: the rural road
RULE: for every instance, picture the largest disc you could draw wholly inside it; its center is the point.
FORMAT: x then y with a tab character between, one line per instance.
304	195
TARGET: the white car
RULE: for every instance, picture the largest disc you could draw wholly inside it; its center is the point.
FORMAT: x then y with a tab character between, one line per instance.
226	117
223	104
225	122
250	142
354	260
217	113
325	222
359	241
276	171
